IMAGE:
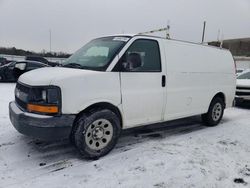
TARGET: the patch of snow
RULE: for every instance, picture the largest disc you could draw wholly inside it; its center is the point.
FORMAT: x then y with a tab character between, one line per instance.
180	154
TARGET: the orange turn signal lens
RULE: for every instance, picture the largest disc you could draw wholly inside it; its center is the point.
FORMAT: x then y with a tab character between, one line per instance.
42	109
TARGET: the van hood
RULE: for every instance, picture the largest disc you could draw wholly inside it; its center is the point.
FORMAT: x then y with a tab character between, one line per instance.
243	83
50	75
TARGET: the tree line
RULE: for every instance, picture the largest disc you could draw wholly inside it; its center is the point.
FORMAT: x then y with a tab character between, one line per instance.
21	52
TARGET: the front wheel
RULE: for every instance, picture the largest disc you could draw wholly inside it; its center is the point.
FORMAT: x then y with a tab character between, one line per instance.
97	133
215	112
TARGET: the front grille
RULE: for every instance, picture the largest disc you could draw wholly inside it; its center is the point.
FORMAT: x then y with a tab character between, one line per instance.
21	94
242	91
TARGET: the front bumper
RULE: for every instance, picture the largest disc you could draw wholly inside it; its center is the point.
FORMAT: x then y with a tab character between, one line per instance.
40	126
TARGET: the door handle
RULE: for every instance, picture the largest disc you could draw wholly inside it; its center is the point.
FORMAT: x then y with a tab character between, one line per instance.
163	81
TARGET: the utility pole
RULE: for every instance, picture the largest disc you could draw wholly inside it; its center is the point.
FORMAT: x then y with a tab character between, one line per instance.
50	40
222	38
218	35
203	33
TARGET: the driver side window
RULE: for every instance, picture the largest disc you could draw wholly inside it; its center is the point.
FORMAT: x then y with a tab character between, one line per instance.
142	56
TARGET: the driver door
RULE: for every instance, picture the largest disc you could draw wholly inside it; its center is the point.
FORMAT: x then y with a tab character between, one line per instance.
142	89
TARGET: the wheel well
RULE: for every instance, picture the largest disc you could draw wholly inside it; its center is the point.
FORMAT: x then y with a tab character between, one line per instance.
101	105
220	95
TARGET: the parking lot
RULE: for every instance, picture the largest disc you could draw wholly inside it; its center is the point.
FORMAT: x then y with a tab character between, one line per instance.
176	154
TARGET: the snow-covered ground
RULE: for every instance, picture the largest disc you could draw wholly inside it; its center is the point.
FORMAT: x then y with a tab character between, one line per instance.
182	154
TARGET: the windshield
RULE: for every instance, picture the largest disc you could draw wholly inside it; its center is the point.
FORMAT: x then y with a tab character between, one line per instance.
97	54
244	76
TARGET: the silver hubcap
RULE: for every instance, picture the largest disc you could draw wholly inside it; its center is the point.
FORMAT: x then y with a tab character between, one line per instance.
99	134
217	111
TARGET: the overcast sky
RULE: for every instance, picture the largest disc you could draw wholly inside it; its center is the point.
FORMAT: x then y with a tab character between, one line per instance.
26	23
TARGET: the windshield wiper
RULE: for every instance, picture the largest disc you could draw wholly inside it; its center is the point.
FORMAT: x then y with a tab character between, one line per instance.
79	66
73	65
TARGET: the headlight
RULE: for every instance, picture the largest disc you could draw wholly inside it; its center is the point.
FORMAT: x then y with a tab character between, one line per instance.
44	100
44	95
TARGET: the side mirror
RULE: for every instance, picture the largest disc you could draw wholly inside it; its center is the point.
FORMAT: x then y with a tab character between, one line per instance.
20	66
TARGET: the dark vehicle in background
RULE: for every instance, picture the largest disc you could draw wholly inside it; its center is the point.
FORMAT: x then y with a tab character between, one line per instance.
6	72
42	60
3	61
11	71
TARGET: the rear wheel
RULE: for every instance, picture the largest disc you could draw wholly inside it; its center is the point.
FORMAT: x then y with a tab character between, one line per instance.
215	112
96	134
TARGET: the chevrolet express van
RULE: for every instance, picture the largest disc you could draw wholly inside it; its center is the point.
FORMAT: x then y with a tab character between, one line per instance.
119	82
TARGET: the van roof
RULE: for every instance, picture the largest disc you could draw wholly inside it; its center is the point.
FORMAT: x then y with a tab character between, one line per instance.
146	35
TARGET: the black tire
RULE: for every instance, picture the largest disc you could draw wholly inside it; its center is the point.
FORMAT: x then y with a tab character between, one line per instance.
84	128
209	118
72	134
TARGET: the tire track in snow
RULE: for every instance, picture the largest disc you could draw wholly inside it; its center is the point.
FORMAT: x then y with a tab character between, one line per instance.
52	152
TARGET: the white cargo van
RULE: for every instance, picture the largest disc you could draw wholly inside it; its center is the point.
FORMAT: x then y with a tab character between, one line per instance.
118	82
